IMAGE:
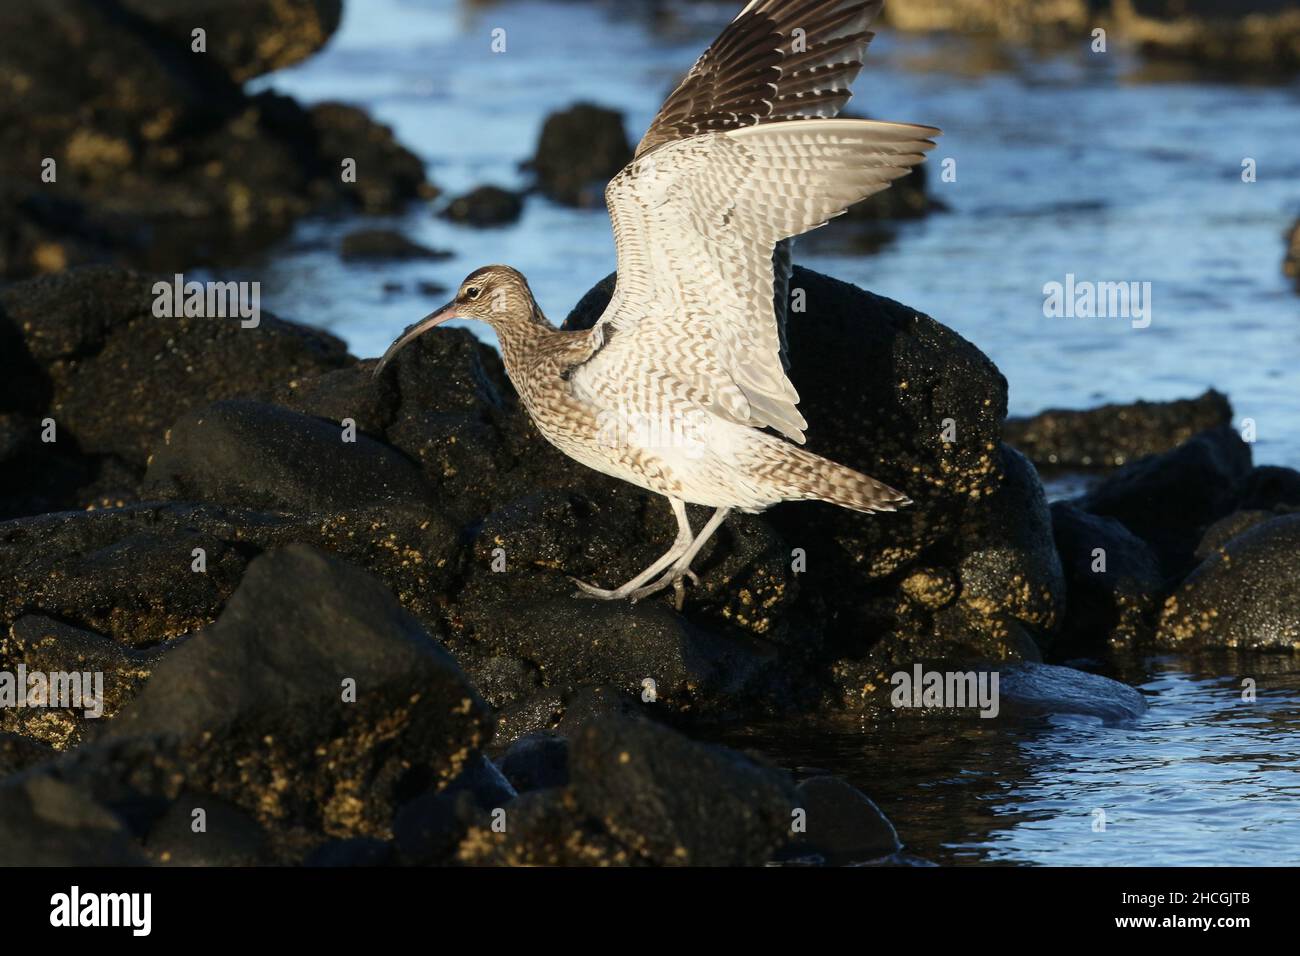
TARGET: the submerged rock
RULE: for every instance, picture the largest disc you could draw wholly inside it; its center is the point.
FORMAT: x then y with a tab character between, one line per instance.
1114	435
1243	595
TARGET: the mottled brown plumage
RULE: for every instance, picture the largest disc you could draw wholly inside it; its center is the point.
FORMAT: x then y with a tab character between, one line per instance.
673	387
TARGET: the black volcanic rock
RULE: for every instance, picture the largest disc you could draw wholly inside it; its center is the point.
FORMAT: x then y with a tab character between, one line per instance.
840	824
642	794
580	149
255	455
84	350
1263	35
1169	500
161	159
383	244
1114	435
485	206
43	644
44	822
247	37
1243	595
314	703
1113	579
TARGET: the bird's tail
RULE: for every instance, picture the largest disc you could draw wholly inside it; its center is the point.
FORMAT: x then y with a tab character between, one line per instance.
798	475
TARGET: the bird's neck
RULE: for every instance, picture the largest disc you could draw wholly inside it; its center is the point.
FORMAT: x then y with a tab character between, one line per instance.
534	352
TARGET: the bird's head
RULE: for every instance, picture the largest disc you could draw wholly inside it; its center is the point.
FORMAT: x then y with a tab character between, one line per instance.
492	294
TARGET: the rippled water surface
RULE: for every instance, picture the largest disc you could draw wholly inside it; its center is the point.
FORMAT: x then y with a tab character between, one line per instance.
1067	162
1203	778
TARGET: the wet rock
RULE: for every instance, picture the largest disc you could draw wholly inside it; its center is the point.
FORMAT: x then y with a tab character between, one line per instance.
382	244
676	801
536	762
103	674
1225	529
1168	500
1243	595
161	159
485	206
1009	566
1114	435
842	825
249	37
545	828
250	454
1032	688
643	794
388	175
581	148
1261	34
130	573
18	753
646	648
429	829
86	357
315	703
202	830
44	822
129	577
359	851
1269	487
1114	583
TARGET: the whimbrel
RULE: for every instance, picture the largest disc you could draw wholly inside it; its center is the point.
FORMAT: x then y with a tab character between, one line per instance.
680	385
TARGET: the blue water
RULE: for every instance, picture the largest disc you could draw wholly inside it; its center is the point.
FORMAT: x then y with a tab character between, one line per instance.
1203	778
1067	163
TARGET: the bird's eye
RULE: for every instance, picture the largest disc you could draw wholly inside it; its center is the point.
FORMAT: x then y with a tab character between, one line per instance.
473	292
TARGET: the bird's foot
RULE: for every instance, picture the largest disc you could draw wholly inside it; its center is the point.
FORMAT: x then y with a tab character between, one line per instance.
673	577
600	594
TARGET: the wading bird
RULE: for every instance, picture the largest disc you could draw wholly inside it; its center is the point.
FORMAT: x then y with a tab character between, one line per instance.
673	388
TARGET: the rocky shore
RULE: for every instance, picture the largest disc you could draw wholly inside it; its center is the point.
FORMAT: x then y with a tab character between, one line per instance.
333	611
325	618
152	154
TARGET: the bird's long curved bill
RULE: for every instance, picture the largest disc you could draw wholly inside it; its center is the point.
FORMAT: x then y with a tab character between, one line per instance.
446	313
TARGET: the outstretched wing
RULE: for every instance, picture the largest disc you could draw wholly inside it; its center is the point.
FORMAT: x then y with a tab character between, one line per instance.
778	60
695	223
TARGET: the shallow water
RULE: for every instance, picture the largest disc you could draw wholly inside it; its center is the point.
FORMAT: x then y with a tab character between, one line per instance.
1067	162
1203	778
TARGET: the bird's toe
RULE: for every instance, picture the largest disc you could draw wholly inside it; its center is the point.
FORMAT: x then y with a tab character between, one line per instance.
591	591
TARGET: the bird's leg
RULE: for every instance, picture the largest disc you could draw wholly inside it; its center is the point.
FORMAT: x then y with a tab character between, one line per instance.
680	547
682	567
